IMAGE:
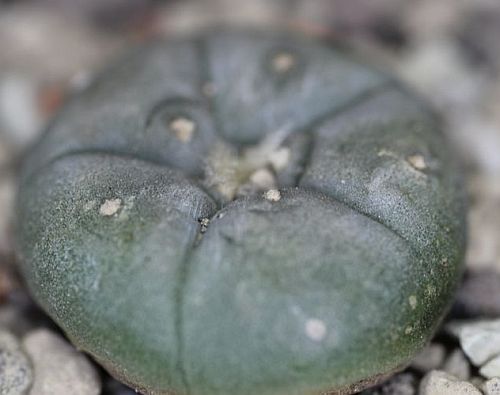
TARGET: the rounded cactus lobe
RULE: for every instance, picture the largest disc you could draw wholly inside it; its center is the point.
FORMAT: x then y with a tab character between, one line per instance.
123	109
129	131
393	166
104	242
318	82
331	281
288	291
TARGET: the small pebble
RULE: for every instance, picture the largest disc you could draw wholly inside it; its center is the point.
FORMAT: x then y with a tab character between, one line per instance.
15	369
480	340
457	365
492	387
438	382
491	369
59	368
430	358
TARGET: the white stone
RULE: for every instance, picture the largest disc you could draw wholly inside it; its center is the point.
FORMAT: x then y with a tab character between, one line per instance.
438	382
491	369
59	368
480	340
457	365
492	387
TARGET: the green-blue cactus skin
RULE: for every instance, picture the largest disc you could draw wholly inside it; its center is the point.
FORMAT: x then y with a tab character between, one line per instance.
326	288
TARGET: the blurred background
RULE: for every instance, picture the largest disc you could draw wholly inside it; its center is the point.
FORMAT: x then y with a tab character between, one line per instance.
446	50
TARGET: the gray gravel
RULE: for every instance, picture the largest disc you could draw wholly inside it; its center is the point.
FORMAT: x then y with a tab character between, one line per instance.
446	50
15	369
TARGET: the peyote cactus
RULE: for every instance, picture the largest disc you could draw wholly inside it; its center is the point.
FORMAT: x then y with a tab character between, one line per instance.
243	212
